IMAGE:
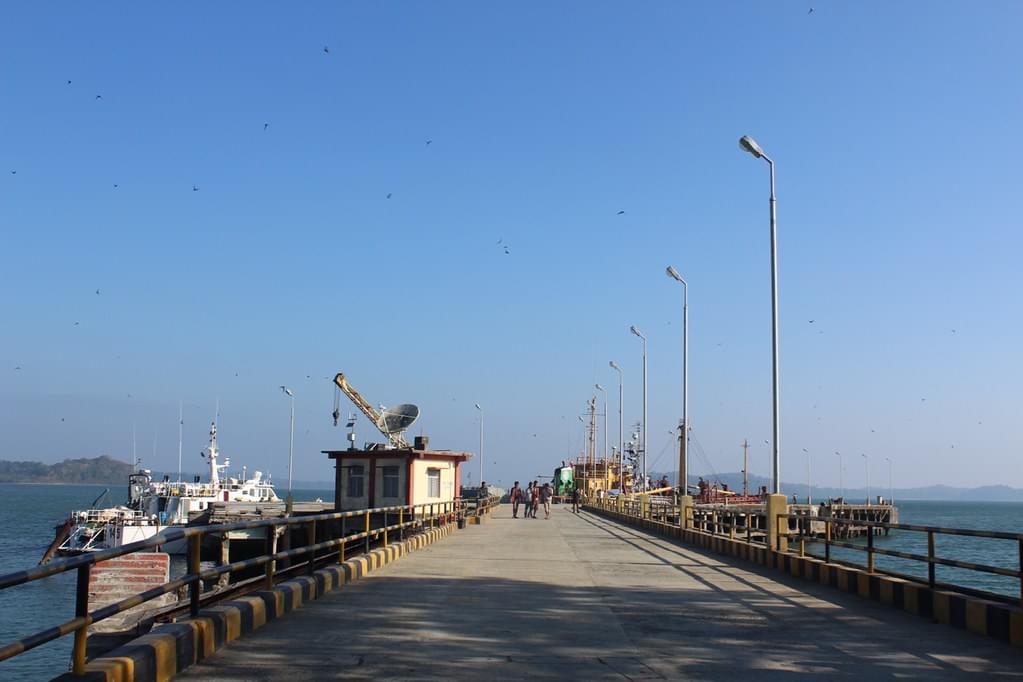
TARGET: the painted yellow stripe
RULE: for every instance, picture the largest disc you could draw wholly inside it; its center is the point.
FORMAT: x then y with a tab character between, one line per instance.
258	611
165	654
205	641
1016	628
942	611
976	616
233	623
119	669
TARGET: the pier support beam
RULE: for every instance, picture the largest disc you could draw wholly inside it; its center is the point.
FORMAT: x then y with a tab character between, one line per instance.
644	506
777	528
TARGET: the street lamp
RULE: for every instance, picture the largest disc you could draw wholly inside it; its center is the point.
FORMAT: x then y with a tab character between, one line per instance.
621	436
640	335
481	442
866	464
748	144
683	454
291	444
604	391
891	490
841	486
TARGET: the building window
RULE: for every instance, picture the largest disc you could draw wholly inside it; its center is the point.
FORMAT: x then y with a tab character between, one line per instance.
356	477
390	481
433	482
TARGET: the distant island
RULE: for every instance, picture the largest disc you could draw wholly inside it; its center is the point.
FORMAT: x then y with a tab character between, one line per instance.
987	493
103	469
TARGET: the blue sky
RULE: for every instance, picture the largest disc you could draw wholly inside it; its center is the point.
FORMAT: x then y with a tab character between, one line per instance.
895	132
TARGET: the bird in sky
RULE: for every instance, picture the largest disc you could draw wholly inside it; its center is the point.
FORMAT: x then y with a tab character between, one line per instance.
506	251
805	450
97	292
18	367
621	213
953	331
76	324
811	11
811	321
429	142
14	172
265	126
388	195
195	188
99	96
326	50
69	82
115	185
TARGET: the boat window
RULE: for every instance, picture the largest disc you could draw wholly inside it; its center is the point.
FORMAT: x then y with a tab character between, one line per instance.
356	475
433	482
390	481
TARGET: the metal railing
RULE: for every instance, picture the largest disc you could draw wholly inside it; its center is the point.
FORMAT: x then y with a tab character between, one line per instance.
751	526
804	534
410	518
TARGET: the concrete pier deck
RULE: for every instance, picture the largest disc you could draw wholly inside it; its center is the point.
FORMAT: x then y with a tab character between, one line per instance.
582	597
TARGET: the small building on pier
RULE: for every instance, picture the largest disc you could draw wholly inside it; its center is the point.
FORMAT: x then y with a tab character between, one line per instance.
365	479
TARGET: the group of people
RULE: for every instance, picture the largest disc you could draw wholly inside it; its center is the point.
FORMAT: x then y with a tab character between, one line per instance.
531	498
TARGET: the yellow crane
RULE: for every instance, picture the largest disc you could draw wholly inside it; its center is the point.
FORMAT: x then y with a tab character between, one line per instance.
379	420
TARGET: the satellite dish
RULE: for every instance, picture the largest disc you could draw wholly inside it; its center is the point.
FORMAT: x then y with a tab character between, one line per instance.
398	418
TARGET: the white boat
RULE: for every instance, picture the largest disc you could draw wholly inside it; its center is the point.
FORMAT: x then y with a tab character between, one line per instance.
155	506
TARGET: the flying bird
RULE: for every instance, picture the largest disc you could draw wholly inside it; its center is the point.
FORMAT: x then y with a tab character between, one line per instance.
99	96
621	213
69	82
115	185
811	11
18	367
265	126
811	321
388	195
326	50
506	251
195	188
429	142
97	292
14	172
76	324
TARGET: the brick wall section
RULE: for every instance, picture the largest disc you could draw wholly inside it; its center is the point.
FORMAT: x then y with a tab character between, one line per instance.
122	577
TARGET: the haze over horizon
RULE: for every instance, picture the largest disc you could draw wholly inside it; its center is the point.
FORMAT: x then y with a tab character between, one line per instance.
457	203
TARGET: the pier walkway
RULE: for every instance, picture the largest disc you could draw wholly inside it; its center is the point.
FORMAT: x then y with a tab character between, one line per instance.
583	597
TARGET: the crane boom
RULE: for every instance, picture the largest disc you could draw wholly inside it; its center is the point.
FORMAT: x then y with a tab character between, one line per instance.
397	440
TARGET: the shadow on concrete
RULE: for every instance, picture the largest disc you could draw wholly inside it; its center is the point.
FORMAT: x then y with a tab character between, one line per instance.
722	619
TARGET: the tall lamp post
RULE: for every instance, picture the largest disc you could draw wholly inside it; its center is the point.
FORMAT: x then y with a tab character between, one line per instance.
683	453
481	442
866	464
643	447
891	490
621	425
841	486
604	391
748	144
291	443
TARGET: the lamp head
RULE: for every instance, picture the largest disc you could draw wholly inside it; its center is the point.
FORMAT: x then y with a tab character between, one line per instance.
673	273
748	144
637	332
288	391
478	407
598	387
613	365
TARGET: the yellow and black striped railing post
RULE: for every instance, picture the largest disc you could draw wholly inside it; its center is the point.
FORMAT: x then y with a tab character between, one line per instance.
81	611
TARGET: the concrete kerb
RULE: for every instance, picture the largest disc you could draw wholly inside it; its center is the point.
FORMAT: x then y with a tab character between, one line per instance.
983	617
171	648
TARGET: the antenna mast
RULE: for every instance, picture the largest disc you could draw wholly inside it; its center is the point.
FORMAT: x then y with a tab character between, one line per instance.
745	467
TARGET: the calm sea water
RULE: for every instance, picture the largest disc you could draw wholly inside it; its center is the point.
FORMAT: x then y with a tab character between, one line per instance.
28	514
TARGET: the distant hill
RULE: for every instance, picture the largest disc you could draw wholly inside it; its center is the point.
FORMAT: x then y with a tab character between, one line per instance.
101	469
987	493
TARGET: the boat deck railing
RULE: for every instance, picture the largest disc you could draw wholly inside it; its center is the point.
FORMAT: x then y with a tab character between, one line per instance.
395	520
799	529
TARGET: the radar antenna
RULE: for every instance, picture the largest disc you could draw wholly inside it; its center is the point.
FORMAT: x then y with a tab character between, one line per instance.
392	422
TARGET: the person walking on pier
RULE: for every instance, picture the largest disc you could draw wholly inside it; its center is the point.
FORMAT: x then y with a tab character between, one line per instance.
575	499
516	499
546	493
527	500
534	500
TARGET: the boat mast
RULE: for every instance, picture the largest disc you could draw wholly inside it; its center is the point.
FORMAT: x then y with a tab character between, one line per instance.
181	426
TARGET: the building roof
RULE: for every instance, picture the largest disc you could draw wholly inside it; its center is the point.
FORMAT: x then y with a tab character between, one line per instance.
394	453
